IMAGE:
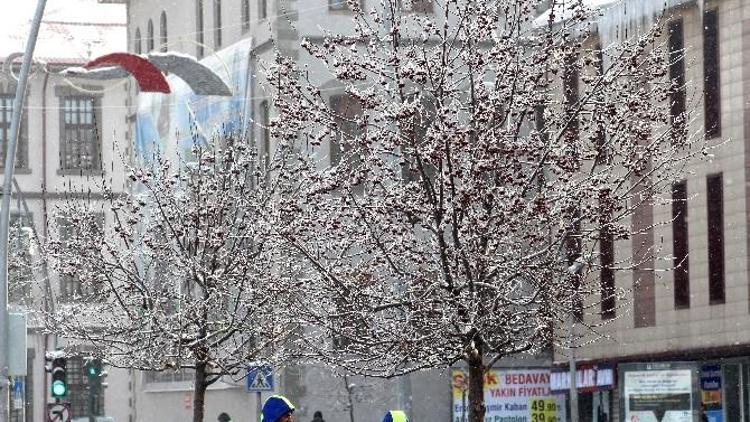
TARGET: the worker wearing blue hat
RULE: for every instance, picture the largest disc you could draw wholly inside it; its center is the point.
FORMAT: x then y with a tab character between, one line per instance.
277	409
395	416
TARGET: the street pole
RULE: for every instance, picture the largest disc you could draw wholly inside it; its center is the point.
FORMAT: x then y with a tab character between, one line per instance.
258	407
572	369
10	159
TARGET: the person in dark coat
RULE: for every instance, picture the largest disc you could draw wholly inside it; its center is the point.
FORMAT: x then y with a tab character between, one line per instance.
318	416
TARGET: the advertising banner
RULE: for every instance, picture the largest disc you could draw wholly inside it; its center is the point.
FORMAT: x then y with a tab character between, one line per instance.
183	117
511	395
664	395
711	393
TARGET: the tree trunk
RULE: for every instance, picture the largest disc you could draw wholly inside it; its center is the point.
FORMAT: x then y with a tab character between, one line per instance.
476	384
199	392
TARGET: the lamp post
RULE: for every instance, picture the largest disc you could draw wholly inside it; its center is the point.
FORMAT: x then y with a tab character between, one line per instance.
10	158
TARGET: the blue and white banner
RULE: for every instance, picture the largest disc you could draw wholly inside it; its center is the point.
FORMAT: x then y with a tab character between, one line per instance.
165	122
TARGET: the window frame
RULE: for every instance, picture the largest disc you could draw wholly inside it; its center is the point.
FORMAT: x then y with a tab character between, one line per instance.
676	51
65	230
715	238
336	150
150	36
680	245
245	15
78	390
163	35
711	74
26	221
199	29
64	93
217	24
22	164
264	140
341	5
418	6
137	42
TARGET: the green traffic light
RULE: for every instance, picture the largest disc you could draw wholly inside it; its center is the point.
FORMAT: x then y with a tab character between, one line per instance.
59	389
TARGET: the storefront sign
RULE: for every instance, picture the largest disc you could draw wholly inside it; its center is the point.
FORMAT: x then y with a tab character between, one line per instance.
658	395
589	378
512	395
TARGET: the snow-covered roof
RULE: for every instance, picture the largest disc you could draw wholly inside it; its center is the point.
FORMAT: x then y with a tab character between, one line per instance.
72	31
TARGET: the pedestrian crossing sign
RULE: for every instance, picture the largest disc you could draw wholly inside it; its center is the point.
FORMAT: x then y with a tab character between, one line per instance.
259	378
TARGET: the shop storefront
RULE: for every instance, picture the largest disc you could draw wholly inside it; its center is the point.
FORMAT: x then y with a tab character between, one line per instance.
725	390
690	391
511	395
595	385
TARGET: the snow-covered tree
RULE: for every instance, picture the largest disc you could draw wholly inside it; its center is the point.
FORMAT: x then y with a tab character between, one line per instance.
469	169
182	271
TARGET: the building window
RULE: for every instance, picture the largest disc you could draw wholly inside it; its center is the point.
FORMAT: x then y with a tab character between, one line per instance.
570	94
263	9
264	146
20	271
715	198
607	262
150	36
711	68
417	6
199	28
677	72
245	15
415	129
137	43
6	117
71	287
79	149
680	248
163	40
79	391
217	24
346	109
338	5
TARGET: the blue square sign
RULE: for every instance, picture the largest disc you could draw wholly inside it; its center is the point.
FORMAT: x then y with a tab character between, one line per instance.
259	378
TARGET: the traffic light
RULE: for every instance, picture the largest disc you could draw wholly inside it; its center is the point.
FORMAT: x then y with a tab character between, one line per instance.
59	384
94	371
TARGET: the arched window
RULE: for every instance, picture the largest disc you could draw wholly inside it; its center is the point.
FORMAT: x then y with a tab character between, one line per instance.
245	15
163	40
199	27
217	24
150	36
137	42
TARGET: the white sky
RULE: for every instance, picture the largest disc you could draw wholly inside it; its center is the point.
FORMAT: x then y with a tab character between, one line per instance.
79	42
69	10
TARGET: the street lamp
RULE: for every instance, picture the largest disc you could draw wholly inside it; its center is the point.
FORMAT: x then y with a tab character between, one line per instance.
10	158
